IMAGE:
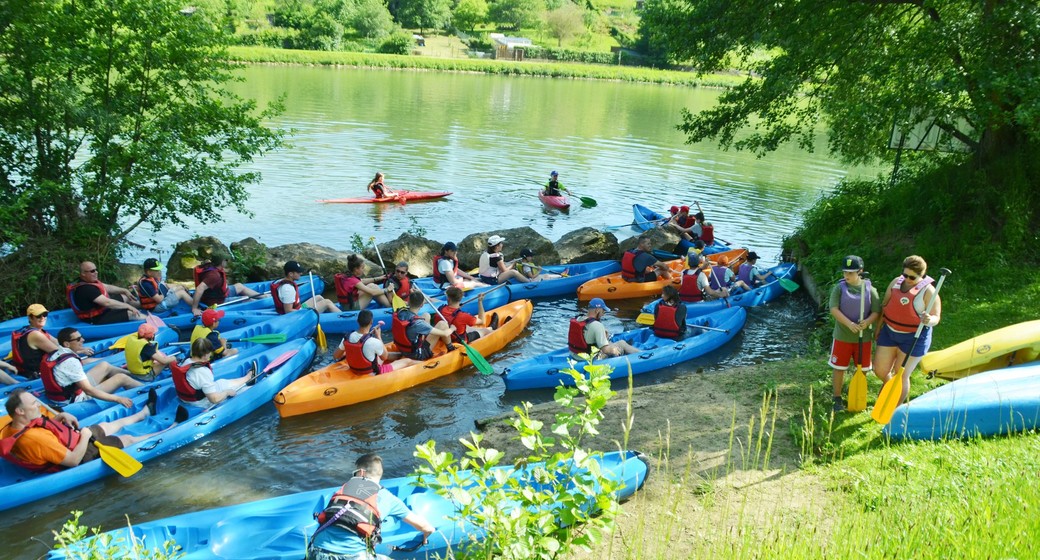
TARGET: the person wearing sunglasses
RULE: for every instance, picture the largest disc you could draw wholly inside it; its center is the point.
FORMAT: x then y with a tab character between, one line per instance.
65	381
98	303
400	281
903	309
31	343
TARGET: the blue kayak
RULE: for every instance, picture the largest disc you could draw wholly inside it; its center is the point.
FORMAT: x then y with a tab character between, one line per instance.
577	274
646	219
1004	401
346	321
753	298
278	528
547	370
180	316
18	486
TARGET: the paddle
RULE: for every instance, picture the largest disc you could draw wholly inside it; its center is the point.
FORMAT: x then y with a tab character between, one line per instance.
119	460
270	338
888	398
465	301
788	284
858	384
323	344
648	319
586	201
719	282
478	360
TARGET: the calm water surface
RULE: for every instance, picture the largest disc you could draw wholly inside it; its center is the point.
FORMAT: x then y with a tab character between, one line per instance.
489	140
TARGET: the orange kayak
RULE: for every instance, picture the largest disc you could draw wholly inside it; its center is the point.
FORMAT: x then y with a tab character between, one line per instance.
336	385
613	286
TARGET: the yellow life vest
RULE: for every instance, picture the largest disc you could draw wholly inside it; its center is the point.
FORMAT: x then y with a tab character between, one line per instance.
201	331
134	363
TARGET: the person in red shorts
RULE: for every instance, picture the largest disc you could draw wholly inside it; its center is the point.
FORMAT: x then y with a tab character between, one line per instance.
849	344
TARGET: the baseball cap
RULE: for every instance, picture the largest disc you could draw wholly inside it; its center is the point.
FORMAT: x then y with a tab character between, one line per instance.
450	246
525	252
597	303
152	264
554	173
752	256
851	263
684	209
35	309
292	266
495	240
694	258
211	316
146	331
674	210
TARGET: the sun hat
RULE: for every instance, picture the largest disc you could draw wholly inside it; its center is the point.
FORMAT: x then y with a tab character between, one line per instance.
495	240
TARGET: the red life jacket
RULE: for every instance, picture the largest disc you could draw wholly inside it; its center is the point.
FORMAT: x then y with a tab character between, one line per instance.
708	235
24	357
346	290
212	295
185	391
451	315
354	508
899	312
67	435
665	325
355	356
92	312
402	286
399	328
576	336
628	268
278	305
52	390
689	291
147	302
439	278
379	190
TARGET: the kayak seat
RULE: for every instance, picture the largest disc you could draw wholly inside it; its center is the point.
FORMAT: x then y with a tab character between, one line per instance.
429	505
268	535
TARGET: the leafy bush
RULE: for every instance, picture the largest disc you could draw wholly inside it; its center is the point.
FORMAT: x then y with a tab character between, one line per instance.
103	547
275	37
398	43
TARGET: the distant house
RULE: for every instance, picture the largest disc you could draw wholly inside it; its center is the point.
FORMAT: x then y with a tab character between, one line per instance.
509	48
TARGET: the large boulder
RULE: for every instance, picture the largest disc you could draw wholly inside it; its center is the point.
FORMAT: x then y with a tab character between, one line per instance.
191	253
417	251
517	239
585	245
249	261
323	261
660	238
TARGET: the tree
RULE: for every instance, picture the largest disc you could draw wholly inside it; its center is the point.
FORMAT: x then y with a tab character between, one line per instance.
565	22
113	114
372	19
424	13
468	14
516	13
860	67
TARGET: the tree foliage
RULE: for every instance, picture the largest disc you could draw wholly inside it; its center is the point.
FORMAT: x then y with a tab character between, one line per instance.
516	13
372	19
114	114
564	22
861	67
424	14
468	14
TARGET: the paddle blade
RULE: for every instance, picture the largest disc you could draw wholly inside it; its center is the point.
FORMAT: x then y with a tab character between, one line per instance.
323	343
397	303
788	284
119	460
645	319
120	344
478	360
888	399
155	321
272	338
588	202
280	360
858	391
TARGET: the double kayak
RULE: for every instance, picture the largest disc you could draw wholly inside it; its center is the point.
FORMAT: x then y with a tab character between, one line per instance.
613	286
346	321
576	275
19	486
279	528
337	385
756	296
399	196
1004	401
556	202
645	219
550	370
1011	345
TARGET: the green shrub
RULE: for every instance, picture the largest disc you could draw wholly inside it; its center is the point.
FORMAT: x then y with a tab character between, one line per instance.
398	43
103	547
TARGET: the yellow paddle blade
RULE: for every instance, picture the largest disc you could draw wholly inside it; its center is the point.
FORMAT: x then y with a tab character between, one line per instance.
119	460
858	391
397	303
323	344
645	319
888	399
120	344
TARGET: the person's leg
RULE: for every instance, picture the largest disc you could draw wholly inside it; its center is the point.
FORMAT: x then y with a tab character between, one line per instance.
111	428
241	290
118	382
512	274
178	292
626	347
105	372
402	363
434	338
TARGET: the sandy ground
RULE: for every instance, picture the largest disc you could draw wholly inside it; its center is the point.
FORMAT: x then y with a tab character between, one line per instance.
715	472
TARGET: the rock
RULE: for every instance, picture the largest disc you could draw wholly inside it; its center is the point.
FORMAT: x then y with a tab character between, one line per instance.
517	239
660	238
249	261
191	253
323	261
418	252
584	245
128	274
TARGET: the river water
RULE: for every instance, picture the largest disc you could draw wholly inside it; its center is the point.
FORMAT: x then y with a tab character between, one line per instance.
489	140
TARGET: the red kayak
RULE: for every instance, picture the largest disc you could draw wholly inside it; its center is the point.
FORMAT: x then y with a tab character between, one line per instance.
399	196
557	202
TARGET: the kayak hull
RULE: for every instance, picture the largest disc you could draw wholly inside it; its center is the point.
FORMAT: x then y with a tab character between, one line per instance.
577	274
337	385
753	298
555	202
1014	344
278	528
613	286
549	370
645	219
406	196
991	403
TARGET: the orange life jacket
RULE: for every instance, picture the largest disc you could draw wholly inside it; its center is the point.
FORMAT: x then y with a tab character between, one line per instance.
67	435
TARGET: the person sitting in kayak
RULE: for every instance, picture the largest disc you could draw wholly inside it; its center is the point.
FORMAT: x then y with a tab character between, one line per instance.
640	264
532	271
368	506
209	330
379	189
211	286
42	440
98	303
355	292
365	352
696	281
723	278
467	327
286	293
143	357
446	271
685	224
154	294
554	187
670	315
194	378
5	377
492	266
414	336
588	333
400	283
750	274
30	343
65	381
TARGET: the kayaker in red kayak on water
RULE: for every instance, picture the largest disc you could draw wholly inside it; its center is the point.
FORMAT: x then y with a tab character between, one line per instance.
379	189
554	187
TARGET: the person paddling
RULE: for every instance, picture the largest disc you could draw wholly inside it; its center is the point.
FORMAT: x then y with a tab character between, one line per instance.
194	379
379	189
414	336
554	187
209	329
365	352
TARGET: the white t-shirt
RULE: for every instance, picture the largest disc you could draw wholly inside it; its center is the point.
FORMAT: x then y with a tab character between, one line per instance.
372	349
447	269
202	379
286	293
484	267
69	372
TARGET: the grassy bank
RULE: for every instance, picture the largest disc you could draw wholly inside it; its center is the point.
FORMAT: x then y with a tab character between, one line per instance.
484	66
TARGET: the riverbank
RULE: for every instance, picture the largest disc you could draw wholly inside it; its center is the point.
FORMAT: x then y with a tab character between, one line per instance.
263	55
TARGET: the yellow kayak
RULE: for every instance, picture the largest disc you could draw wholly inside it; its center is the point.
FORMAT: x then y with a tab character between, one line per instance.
336	385
1011	345
613	286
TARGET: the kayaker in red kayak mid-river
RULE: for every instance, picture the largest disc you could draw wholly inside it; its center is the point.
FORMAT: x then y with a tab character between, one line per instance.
553	187
379	189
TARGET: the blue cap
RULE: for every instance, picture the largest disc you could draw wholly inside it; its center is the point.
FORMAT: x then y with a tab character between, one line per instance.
553	174
449	246
597	303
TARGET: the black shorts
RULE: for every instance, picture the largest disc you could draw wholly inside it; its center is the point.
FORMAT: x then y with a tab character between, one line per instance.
471	336
92	451
110	316
423	352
